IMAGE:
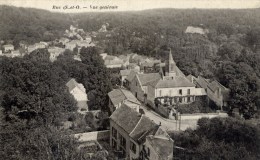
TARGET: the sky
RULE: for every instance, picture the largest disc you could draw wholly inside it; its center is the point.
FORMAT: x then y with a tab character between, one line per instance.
128	5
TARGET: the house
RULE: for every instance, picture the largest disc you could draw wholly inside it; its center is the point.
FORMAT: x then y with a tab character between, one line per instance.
77	57
129	130
158	147
8	48
103	55
123	74
196	30
133	66
139	83
216	92
55	52
88	39
79	93
63	40
129	79
15	53
31	48
41	45
113	62
120	96
85	44
71	45
174	85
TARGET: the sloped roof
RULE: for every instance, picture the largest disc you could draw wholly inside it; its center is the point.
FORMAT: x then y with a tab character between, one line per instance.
177	81
118	95
144	127
215	85
131	76
162	145
126	118
202	82
149	77
73	84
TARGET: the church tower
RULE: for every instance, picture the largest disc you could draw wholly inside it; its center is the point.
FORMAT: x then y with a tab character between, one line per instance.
171	68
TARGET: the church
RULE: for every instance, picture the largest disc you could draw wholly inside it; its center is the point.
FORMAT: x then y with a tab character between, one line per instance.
173	87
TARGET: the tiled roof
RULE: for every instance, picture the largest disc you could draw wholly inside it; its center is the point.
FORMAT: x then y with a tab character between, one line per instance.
143	128
162	145
126	118
177	81
119	95
150	77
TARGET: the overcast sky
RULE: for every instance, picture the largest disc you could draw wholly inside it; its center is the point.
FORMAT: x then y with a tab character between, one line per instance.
126	5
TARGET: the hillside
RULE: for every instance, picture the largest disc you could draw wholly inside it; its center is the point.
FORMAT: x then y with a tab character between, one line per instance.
31	25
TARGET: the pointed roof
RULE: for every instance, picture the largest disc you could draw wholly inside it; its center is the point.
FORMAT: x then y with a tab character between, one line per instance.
171	61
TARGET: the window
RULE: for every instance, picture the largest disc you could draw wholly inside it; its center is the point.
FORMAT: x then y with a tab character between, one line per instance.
188	91
113	143
188	99
133	147
122	141
114	133
180	91
180	100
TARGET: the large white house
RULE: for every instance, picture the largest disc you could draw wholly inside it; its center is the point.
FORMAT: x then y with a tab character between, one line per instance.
173	83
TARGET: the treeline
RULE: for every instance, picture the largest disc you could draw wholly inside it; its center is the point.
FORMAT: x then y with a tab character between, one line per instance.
218	138
31	25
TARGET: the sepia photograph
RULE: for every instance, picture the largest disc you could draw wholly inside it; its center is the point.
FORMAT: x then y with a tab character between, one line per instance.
129	79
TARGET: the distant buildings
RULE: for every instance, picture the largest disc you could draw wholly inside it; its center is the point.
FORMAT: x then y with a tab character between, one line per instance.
79	93
135	136
196	30
55	52
113	62
8	48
